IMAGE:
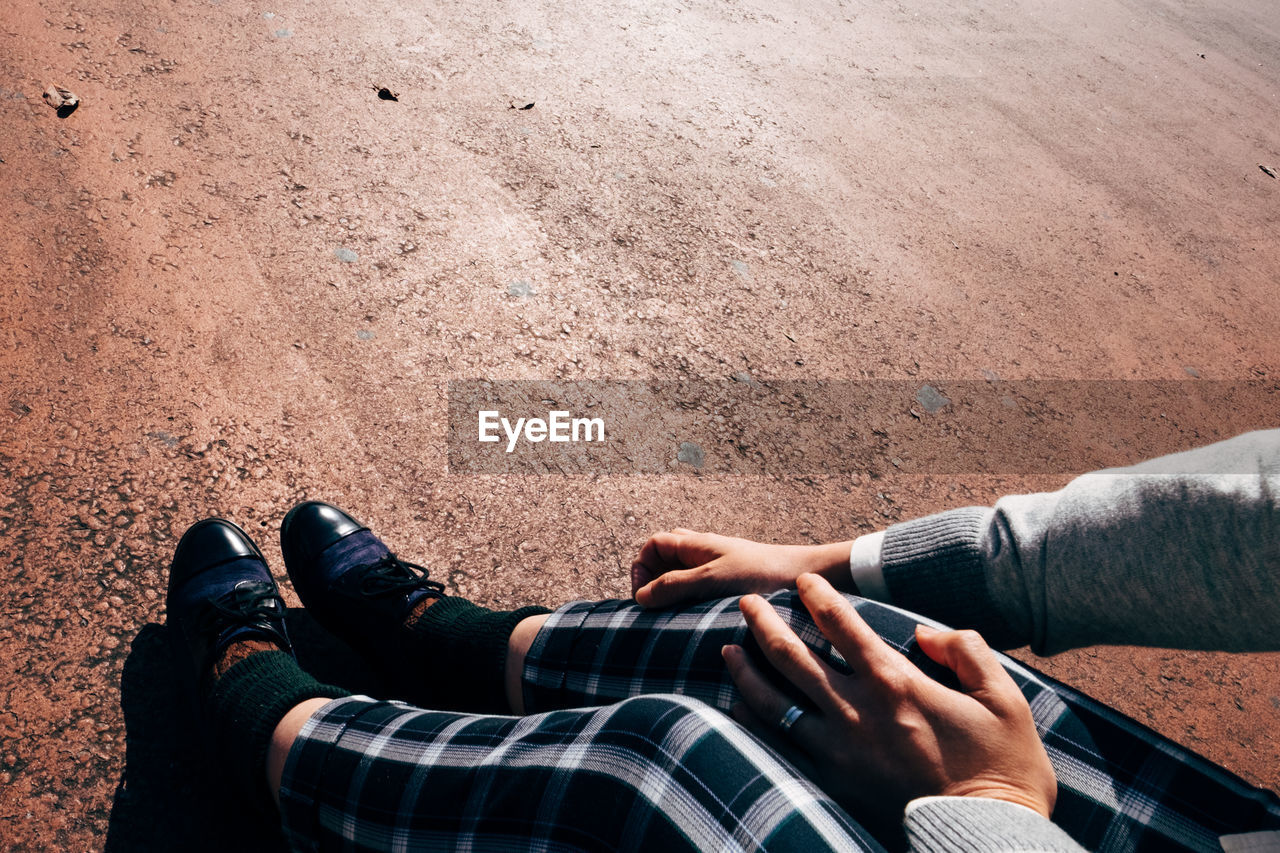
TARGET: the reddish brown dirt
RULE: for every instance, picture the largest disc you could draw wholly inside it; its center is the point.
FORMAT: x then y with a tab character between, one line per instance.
797	190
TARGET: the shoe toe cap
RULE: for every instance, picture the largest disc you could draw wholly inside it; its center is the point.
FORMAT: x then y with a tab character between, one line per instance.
311	527
209	543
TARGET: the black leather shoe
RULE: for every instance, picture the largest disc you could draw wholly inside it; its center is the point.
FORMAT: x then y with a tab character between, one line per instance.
311	527
349	580
221	591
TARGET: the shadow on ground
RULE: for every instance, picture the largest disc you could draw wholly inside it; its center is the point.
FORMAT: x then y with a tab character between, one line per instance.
169	797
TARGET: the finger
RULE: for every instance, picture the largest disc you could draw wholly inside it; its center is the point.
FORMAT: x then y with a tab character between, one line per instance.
967	655
678	549
789	655
675	551
659	551
783	744
767	703
673	587
641	576
657	555
840	623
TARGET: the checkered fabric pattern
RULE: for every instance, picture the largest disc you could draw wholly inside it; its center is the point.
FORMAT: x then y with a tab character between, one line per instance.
1122	787
667	772
654	773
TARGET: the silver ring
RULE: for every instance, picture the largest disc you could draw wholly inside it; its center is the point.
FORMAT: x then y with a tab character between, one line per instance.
789	718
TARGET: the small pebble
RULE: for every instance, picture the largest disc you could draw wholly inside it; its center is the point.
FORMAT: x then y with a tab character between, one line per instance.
690	454
931	398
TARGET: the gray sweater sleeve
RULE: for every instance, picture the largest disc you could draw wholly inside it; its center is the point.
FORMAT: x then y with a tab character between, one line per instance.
1182	551
977	825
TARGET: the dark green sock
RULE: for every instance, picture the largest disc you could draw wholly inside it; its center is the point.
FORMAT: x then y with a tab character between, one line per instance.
456	653
246	704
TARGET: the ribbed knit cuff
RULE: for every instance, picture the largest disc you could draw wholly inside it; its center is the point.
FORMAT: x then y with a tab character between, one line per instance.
935	566
978	825
460	653
246	704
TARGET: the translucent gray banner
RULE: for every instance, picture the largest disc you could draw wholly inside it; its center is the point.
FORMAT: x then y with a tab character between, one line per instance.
799	428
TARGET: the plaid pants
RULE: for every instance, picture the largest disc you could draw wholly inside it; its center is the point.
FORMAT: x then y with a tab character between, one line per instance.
649	762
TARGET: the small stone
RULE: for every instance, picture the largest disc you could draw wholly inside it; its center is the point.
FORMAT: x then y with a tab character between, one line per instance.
365	335
690	454
346	255
59	98
520	289
1191	371
931	398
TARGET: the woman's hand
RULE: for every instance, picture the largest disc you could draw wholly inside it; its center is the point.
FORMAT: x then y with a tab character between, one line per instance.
684	566
888	733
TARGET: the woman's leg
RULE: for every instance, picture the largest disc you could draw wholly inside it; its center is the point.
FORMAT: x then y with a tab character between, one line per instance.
651	773
1122	786
282	739
521	640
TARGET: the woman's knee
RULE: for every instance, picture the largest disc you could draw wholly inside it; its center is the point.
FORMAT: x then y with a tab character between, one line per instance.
661	714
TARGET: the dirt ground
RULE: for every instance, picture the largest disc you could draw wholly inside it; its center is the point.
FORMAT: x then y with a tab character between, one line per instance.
234	277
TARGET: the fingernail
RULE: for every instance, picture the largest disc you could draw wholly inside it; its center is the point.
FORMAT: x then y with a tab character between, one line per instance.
727	652
927	630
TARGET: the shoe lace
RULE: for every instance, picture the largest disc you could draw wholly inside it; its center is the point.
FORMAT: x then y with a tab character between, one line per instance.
247	603
392	575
